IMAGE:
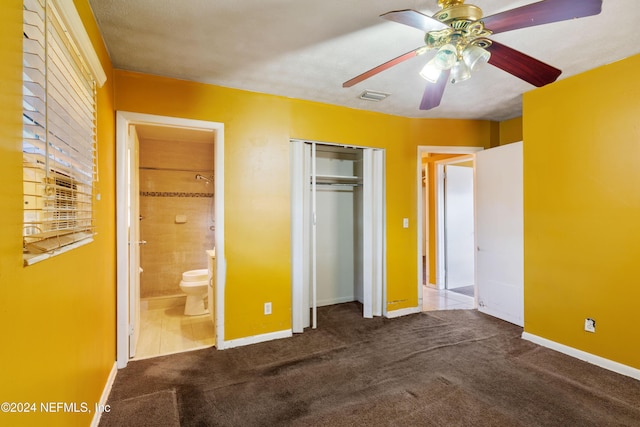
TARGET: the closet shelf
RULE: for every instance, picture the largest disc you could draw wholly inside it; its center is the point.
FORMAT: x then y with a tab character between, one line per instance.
338	179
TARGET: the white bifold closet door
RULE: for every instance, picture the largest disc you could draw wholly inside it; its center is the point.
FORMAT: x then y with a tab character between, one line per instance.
322	215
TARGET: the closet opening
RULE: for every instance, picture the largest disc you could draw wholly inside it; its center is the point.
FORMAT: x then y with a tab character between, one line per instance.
337	229
338	225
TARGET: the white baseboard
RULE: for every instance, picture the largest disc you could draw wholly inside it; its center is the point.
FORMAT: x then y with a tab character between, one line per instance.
105	395
403	312
333	301
255	339
583	355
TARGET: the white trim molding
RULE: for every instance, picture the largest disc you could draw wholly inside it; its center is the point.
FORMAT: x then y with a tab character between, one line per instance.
74	24
583	355
255	339
105	395
403	312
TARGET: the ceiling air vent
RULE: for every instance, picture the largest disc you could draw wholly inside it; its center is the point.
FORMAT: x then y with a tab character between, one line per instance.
369	95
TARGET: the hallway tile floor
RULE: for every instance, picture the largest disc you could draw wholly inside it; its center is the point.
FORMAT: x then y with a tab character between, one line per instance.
442	299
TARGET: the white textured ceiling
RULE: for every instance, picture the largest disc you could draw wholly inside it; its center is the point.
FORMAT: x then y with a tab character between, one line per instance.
306	49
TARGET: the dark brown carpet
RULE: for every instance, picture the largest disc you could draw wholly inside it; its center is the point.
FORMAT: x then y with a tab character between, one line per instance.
445	368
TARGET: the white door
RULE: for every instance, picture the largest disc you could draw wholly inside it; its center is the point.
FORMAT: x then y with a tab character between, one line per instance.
134	240
459	227
373	232
499	233
300	235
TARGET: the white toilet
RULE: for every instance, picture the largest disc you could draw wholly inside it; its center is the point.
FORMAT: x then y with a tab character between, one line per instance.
194	283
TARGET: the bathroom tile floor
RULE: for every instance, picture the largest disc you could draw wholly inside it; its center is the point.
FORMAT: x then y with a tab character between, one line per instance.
442	299
167	330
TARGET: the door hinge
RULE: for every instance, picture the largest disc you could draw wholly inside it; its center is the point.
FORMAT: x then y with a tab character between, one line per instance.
131	328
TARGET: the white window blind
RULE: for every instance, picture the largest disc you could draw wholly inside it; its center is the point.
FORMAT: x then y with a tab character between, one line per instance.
59	134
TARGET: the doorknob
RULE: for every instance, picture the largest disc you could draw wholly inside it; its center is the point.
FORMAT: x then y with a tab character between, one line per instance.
142	242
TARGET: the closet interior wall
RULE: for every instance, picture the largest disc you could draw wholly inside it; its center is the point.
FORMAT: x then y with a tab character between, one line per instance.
339	224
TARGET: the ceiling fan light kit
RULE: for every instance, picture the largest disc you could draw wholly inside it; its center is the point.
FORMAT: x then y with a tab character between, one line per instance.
460	72
460	36
475	56
446	57
430	72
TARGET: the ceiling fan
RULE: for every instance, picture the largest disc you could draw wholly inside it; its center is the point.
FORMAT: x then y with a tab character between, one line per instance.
460	35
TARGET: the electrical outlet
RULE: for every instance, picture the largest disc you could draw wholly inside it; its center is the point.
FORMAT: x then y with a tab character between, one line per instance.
267	308
405	222
589	325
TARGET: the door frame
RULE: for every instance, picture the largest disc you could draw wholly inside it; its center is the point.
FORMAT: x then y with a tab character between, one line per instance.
440	150
133	150
123	120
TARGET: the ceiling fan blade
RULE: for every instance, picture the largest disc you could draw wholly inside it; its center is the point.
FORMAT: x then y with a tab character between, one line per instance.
414	19
522	66
433	92
543	12
372	72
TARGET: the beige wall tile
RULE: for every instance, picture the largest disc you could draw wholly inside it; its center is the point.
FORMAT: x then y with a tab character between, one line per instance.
173	248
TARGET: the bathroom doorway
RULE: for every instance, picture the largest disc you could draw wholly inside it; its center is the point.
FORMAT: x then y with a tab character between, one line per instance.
170	218
177	225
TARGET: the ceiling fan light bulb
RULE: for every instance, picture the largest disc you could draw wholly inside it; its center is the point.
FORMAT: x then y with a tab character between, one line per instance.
446	57
430	72
475	56
460	72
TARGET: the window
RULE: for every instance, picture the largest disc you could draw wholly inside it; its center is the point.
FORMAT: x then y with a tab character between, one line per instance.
59	129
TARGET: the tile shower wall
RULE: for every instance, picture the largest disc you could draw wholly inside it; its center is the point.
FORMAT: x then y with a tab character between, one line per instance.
169	190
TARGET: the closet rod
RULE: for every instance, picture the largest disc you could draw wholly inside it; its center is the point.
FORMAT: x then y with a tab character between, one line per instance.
339	184
174	170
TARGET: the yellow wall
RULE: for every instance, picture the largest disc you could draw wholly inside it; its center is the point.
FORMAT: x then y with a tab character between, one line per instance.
58	316
510	131
582	210
257	198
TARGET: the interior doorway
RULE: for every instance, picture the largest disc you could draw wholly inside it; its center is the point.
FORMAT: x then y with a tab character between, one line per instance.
435	286
175	201
129	218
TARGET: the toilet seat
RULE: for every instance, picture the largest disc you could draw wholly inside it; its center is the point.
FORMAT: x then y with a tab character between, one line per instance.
201	275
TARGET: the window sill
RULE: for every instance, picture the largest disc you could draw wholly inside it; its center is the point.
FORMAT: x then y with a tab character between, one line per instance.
30	259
